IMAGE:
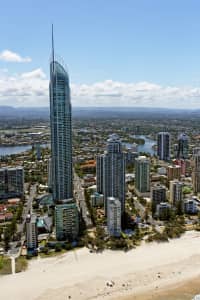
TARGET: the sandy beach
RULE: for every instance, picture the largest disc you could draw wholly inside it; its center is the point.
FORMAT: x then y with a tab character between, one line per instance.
182	291
151	271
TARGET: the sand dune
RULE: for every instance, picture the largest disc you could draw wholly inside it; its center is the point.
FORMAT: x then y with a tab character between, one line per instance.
143	272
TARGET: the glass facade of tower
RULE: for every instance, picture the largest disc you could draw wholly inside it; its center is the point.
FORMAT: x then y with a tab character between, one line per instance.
142	174
183	146
61	132
163	142
111	172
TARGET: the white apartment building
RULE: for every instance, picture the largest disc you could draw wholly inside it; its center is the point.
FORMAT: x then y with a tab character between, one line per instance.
114	216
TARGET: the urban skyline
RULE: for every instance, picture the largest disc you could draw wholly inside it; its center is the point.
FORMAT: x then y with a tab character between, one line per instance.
110	196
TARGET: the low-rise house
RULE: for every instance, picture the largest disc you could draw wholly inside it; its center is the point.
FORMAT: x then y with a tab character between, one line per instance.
8	216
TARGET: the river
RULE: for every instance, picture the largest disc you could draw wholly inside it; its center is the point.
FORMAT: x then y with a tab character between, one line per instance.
147	146
8	150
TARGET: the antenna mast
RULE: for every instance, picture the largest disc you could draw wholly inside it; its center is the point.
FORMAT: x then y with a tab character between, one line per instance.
52	41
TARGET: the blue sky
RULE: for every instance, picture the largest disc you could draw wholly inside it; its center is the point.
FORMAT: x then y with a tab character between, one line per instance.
146	47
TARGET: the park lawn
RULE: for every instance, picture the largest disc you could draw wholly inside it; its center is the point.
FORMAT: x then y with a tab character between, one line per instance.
21	264
5	265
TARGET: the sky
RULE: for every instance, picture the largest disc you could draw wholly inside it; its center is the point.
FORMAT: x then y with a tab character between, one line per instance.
117	52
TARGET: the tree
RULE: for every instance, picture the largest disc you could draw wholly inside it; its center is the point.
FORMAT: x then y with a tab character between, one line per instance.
146	214
179	208
7	238
1	233
199	217
45	250
58	247
67	246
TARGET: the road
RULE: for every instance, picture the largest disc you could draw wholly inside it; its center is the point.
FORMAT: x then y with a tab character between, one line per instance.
139	207
15	249
28	207
80	199
142	209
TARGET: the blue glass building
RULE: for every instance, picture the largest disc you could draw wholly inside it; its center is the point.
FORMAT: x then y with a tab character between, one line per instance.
61	132
183	146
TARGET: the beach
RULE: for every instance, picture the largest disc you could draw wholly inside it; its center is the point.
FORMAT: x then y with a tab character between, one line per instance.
183	291
150	271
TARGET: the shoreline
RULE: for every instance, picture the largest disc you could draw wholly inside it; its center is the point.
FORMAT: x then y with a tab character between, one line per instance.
186	290
136	275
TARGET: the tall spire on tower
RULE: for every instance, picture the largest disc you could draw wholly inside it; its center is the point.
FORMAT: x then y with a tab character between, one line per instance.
52	41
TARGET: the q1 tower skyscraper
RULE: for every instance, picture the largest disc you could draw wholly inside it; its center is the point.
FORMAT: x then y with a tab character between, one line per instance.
61	130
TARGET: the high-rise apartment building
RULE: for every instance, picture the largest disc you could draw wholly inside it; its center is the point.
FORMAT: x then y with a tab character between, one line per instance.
183	146
67	220
113	216
61	177
61	131
163	146
100	173
2	182
158	195
196	170
142	175
196	151
175	150
97	199
182	163
49	170
111	172
176	191
163	210
11	182
37	148
31	232
173	172
131	155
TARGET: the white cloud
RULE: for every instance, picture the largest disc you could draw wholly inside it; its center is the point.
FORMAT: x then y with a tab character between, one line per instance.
31	89
26	89
10	56
38	73
113	93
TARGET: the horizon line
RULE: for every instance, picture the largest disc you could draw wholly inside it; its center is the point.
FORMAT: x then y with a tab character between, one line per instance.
106	107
